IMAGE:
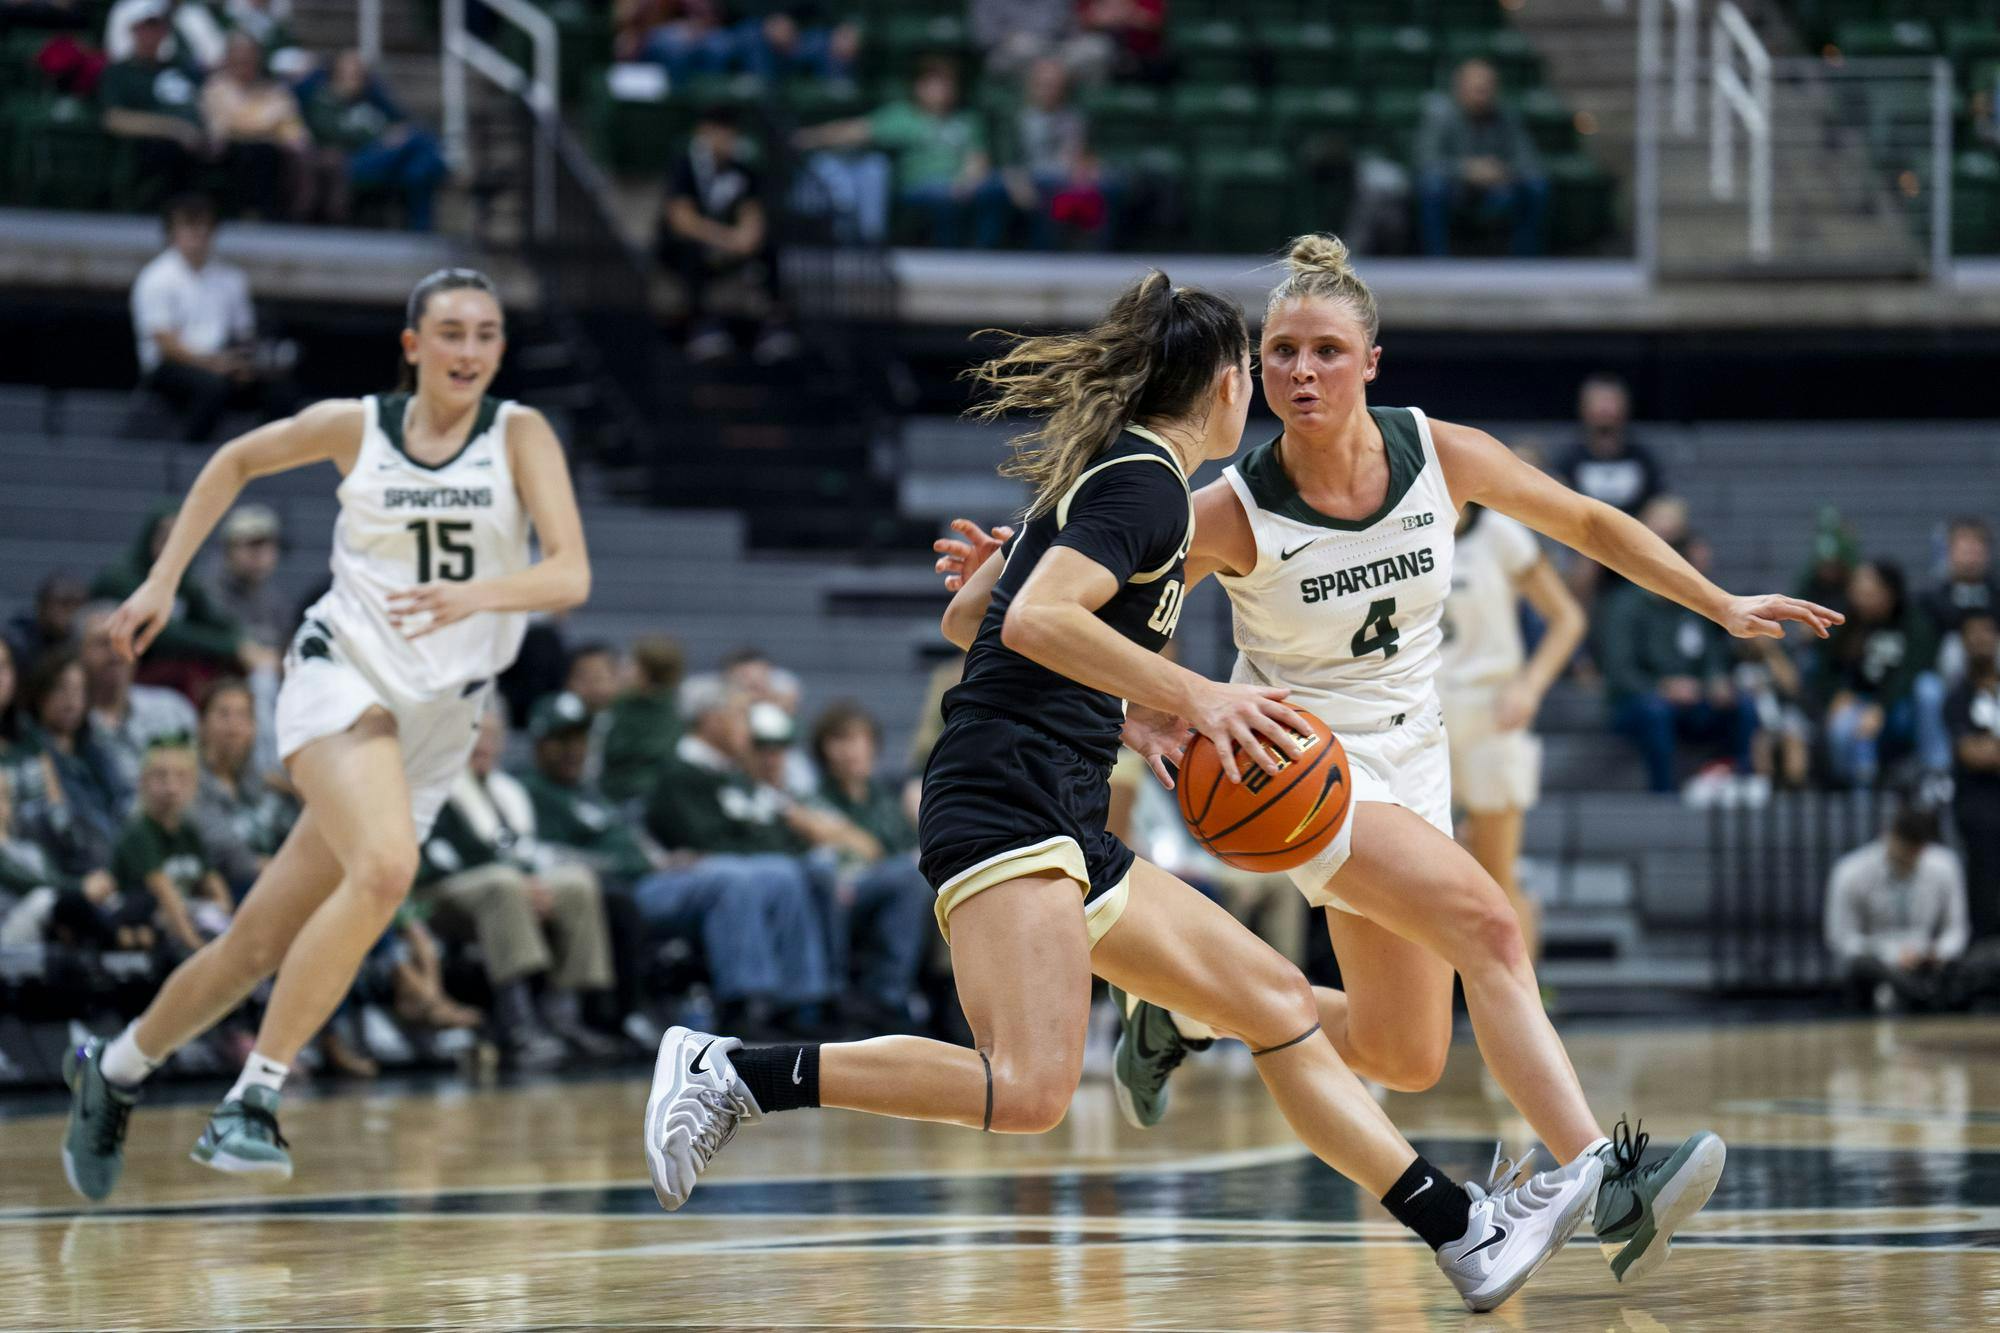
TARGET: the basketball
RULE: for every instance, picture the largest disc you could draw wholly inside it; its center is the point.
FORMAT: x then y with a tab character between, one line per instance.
1269	821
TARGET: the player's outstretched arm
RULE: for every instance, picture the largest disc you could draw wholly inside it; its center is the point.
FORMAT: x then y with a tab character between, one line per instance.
556	582
326	431
1479	468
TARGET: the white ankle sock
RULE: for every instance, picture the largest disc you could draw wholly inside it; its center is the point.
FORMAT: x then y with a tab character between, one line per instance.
259	1073
1191	1029
123	1063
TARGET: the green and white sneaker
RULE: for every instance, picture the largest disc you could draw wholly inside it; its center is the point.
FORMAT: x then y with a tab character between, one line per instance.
94	1144
242	1137
1150	1048
1639	1207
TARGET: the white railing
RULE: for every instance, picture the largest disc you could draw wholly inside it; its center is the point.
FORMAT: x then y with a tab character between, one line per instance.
1687	22
1941	166
1733	98
368	22
539	89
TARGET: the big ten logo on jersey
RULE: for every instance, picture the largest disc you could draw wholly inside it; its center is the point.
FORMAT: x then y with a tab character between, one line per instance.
1167	615
1259	778
1422	520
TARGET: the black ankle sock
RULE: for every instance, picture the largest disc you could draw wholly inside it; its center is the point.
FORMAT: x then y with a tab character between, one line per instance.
1430	1203
784	1078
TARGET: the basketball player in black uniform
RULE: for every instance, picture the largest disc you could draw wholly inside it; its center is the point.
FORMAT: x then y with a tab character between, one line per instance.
1033	894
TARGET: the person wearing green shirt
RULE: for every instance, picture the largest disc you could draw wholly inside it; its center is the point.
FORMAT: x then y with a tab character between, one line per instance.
645	721
349	109
728	875
161	859
156	107
1668	677
200	631
943	171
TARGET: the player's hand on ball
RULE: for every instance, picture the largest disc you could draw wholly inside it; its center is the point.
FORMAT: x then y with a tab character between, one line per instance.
1250	718
429	607
139	619
958	559
1160	738
1765	617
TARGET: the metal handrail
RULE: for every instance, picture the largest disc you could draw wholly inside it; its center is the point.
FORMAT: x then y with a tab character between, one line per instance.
539	89
1687	21
368	35
1734	98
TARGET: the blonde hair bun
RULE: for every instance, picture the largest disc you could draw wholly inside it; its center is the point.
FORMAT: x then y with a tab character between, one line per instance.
1319	252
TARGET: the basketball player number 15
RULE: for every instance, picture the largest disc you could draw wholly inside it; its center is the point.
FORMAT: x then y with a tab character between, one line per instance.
454	563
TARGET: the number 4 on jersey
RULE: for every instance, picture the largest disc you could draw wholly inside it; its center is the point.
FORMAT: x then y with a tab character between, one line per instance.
1377	631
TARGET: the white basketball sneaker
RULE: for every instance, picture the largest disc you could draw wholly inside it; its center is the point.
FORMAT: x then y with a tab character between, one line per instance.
694	1108
1516	1228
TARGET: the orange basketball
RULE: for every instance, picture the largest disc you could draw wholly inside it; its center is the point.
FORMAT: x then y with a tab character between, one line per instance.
1268	821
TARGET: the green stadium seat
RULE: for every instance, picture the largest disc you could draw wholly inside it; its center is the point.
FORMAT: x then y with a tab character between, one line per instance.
635	136
1303	55
1300	113
1393	117
1889	37
1124	116
1974	49
1404	57
1239	195
1215	116
64	159
814	100
1461	15
1211	52
1579	203
1370	13
1548	118
1508	50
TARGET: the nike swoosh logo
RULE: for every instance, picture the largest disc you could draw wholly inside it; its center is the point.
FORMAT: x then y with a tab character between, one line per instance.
696	1066
797	1061
1499	1234
1421	1188
1287	555
1331	778
1631	1218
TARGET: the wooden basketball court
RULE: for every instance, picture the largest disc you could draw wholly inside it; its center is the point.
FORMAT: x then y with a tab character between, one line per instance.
1863	1191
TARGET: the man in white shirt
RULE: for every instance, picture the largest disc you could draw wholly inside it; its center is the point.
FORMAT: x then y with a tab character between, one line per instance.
1895	914
194	326
195	25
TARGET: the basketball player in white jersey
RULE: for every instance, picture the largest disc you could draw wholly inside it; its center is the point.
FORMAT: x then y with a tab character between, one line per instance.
383	689
1491	689
1334	543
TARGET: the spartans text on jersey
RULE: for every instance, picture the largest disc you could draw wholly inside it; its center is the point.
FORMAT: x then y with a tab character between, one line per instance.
1374	574
438	497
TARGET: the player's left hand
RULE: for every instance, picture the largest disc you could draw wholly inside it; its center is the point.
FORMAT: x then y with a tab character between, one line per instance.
1158	738
1765	617
960	558
1514	707
429	607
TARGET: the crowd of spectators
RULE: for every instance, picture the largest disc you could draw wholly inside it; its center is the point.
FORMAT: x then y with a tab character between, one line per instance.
217	94
654	846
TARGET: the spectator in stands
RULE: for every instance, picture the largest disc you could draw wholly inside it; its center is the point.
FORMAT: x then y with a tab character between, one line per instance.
1606	463
752	672
161	864
348	109
193	36
705	807
263	22
1876	683
1834	555
1015	35
52	622
539	668
1968	586
690	38
713	226
645	721
201	639
943	173
196	331
126	718
486	877
241	818
1052	176
1130	36
632	23
595	676
1972	717
1668	676
1895	915
888	904
152	103
81	797
1473	151
35	893
267	151
245	592
788	42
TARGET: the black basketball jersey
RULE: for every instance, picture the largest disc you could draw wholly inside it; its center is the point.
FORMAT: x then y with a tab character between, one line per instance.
1130	512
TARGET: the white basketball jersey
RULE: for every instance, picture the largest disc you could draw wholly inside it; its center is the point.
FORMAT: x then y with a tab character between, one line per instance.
1482	617
1345	612
403	523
